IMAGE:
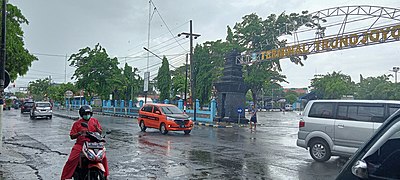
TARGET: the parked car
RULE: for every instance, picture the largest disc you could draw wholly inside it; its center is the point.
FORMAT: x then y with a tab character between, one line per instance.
27	106
165	117
288	107
339	127
41	109
379	157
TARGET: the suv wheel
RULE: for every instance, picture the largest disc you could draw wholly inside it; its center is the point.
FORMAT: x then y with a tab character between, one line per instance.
163	129
142	126
319	150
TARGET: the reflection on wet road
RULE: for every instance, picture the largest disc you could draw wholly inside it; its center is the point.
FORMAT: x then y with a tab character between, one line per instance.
38	149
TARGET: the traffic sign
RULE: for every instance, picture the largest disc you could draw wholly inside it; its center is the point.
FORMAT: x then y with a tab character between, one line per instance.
69	94
240	110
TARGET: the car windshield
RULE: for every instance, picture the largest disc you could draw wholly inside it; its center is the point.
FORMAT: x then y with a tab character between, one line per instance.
43	104
171	110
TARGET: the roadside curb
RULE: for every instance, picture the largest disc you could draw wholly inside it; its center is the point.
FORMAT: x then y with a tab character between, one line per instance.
66	116
212	125
116	115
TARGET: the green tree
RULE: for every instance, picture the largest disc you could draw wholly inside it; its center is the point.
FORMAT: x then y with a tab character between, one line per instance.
20	95
39	89
18	57
96	72
209	62
178	81
57	92
332	86
130	83
290	98
377	88
164	80
255	34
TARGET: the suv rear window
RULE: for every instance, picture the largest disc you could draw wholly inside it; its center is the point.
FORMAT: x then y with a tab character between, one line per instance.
321	110
43	105
29	104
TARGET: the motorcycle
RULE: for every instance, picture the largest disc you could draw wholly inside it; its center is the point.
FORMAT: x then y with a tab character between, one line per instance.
93	152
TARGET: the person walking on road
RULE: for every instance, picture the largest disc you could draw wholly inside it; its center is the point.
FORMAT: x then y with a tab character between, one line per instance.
253	117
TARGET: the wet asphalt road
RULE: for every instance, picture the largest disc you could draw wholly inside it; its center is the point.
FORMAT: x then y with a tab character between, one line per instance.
38	149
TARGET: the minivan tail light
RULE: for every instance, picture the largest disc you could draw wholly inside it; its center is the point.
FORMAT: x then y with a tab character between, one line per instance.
302	123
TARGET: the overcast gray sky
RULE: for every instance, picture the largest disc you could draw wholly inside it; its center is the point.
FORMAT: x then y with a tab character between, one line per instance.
59	28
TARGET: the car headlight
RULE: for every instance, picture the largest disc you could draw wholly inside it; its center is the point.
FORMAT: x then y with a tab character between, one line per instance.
170	118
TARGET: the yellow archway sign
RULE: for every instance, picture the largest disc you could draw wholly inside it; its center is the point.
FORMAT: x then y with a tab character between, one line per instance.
348	40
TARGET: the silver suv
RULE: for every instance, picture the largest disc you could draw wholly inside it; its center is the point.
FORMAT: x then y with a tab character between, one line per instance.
41	109
339	127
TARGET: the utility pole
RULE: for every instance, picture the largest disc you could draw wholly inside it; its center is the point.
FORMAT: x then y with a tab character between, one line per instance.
192	66
3	49
147	73
132	86
186	77
65	69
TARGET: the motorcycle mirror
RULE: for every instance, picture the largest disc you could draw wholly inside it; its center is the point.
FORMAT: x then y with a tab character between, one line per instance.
84	124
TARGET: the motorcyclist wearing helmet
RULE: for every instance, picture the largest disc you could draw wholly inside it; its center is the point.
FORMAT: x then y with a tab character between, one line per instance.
78	132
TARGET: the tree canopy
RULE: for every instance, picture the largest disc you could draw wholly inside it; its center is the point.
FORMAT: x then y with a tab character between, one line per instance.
39	89
96	72
332	86
254	34
18	58
164	80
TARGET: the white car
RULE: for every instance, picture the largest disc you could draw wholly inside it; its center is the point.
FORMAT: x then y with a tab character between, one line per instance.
41	109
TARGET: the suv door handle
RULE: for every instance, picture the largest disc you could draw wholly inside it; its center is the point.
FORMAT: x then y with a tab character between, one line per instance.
340	126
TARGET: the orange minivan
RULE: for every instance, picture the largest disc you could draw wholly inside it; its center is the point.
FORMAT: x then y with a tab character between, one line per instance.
165	117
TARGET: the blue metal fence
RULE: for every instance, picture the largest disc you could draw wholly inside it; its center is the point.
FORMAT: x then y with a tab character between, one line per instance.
118	107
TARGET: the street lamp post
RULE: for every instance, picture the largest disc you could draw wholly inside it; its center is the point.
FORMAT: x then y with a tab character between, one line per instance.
395	70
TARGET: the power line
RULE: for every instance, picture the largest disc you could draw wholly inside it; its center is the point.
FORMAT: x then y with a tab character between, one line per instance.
45	72
158	12
161	52
161	47
45	54
156	64
143	43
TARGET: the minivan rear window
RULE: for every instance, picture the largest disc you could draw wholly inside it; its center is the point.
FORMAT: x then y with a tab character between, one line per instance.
321	110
